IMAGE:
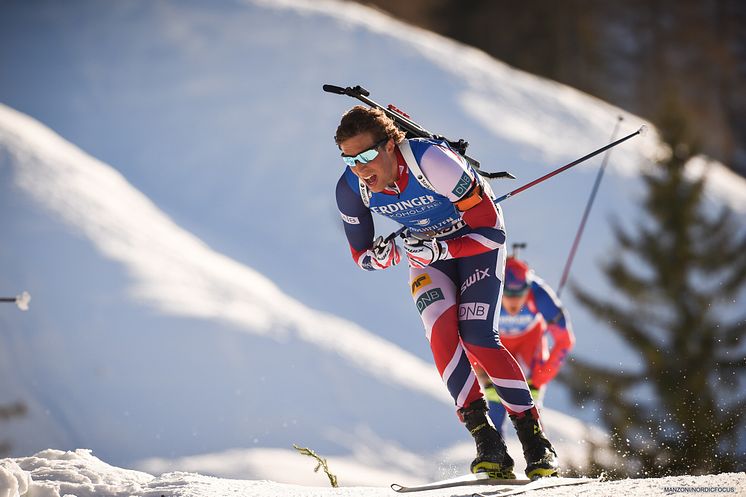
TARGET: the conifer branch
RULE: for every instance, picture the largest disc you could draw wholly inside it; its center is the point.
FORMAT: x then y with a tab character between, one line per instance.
321	464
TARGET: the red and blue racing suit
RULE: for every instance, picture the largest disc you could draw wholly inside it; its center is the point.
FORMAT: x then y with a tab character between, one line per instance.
457	297
526	336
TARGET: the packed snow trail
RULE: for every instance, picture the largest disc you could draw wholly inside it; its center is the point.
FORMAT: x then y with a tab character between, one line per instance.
54	473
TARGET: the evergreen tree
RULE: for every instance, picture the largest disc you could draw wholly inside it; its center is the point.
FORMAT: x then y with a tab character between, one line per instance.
678	274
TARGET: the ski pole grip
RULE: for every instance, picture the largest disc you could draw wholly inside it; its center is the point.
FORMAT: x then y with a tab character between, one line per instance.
396	233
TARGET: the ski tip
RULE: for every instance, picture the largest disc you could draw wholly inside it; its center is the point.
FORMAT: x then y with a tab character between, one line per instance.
396	487
643	130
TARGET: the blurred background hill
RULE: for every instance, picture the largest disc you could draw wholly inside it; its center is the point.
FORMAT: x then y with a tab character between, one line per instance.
650	57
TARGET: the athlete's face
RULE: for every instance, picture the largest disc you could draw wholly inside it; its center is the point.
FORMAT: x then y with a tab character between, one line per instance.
512	304
379	172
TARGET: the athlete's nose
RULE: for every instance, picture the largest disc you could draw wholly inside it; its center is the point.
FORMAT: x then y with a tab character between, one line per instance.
361	169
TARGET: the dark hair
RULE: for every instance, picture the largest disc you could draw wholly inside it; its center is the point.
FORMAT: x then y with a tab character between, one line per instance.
362	119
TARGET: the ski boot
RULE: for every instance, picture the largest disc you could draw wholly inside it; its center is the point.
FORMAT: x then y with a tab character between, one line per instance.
541	458
492	454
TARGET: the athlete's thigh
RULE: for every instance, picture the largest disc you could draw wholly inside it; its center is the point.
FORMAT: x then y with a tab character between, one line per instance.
479	288
434	292
436	297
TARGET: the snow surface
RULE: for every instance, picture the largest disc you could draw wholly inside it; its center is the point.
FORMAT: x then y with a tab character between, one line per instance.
166	190
54	473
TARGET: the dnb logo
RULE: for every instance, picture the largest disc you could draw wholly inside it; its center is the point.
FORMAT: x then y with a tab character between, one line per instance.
420	281
462	186
427	298
473	310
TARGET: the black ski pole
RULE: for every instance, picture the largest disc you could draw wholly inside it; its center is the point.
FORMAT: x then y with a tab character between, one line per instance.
396	233
21	300
640	131
588	206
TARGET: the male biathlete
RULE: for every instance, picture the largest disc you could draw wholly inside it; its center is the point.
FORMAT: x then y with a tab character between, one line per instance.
455	250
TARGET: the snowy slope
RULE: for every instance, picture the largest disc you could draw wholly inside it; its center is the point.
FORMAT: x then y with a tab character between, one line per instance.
175	273
187	262
56	473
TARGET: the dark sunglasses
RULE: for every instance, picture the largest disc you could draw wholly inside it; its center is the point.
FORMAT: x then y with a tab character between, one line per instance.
365	156
515	292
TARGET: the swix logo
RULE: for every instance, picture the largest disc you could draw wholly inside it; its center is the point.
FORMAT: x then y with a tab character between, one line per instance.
478	275
428	298
420	281
415	204
473	311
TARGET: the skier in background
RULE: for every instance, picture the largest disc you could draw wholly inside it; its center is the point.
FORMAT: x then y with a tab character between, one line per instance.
455	250
530	313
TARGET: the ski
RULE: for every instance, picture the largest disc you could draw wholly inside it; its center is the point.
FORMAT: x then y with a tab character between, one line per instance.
503	486
541	483
459	481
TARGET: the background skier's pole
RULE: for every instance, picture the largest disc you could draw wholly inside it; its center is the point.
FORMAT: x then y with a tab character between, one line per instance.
588	206
21	300
516	247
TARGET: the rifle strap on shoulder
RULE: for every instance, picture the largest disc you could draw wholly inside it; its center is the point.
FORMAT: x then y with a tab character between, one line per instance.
365	192
414	169
413	165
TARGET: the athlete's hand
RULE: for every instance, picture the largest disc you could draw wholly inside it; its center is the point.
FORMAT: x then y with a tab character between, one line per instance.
421	253
385	253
